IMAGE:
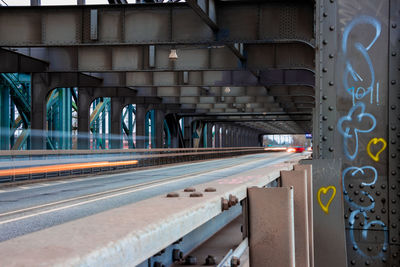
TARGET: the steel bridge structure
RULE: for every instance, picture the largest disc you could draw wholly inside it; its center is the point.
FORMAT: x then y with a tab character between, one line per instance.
219	74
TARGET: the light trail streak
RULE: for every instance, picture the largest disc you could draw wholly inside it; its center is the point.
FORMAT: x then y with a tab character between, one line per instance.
64	167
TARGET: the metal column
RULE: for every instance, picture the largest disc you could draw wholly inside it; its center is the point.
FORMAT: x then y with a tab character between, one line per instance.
140	125
355	122
83	118
4	117
116	123
38	111
209	135
159	128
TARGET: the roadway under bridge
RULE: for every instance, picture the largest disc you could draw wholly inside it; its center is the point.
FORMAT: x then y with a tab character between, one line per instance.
133	133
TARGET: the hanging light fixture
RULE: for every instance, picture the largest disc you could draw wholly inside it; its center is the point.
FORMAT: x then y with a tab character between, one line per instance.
173	55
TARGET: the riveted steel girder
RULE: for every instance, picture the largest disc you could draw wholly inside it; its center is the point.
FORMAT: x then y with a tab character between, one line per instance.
156	58
168	23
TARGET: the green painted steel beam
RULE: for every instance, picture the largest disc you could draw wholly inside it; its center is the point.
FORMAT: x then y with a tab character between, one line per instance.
4	117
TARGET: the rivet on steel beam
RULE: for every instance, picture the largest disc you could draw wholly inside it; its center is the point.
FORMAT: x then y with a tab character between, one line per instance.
393	82
367	263
325	14
210	189
393	155
196	194
394	25
353	262
173	194
331	56
393	127
331	149
332	1
158	264
394	172
233	200
325	42
394	225
394	201
393	141
394	54
191	260
324	97
331	83
394	239
177	255
355	248
210	260
384	259
235	262
324	138
224	204
189	189
393	107
324	69
331	108
324	118
332	28
330	128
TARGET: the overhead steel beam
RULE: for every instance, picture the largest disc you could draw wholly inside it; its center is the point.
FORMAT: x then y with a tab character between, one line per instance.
156	58
296	77
205	9
11	61
168	23
242	114
232	91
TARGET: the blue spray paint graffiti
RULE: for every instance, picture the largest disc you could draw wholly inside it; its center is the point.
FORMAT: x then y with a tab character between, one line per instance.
351	132
358	121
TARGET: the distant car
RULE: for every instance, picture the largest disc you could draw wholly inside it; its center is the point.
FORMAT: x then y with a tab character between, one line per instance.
297	149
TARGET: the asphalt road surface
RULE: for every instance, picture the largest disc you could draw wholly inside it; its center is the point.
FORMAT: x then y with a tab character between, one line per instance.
30	208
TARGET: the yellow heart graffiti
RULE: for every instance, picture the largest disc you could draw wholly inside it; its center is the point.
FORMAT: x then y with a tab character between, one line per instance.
375	141
324	190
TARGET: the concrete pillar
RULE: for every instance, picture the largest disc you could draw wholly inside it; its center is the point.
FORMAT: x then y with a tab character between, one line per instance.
35	2
38	110
83	119
140	123
116	123
159	126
